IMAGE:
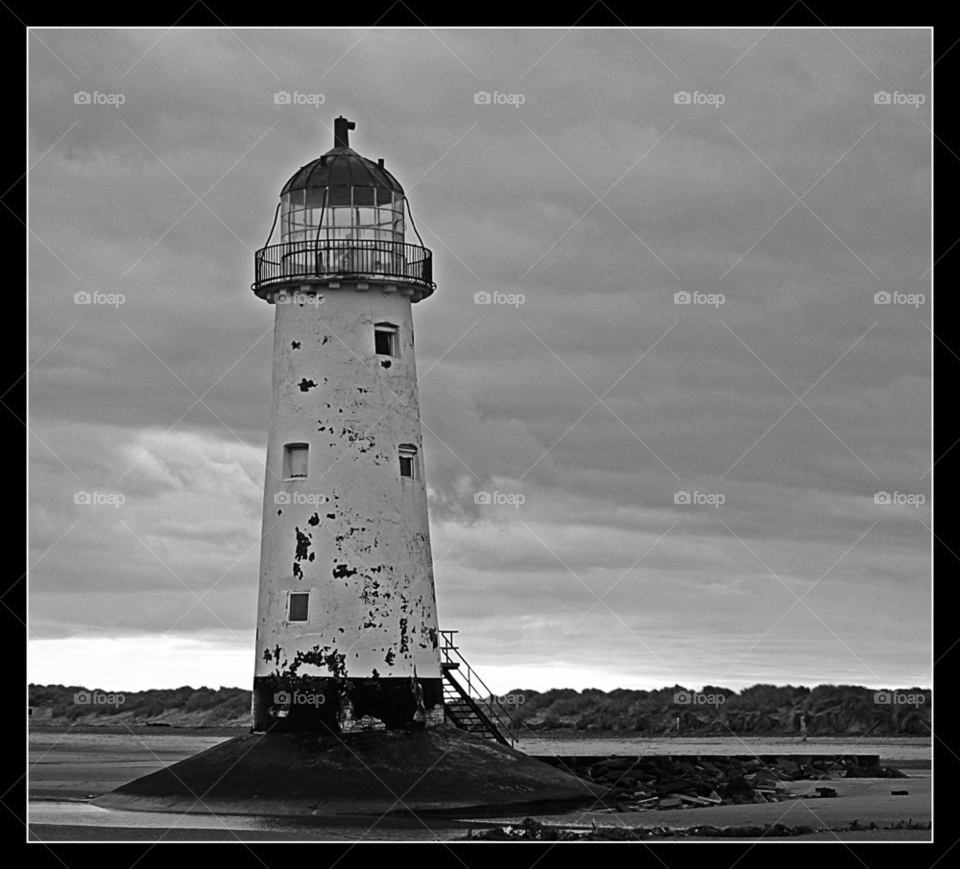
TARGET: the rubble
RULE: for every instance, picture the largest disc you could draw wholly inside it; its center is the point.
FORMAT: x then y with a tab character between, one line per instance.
530	830
636	784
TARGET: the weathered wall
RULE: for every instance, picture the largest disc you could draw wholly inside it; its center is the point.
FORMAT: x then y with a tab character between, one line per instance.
353	533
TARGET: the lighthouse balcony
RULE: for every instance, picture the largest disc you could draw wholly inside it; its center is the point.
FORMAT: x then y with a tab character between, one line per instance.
343	259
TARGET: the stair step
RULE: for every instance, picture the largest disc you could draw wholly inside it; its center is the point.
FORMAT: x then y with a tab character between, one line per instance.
467	711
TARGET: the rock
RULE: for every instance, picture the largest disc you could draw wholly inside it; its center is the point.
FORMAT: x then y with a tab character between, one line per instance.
674	787
695	801
667	765
616	763
738	785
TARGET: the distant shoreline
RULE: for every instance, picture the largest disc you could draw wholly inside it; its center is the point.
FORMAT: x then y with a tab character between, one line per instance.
559	734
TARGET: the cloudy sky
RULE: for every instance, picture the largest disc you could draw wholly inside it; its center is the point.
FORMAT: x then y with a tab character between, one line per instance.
783	196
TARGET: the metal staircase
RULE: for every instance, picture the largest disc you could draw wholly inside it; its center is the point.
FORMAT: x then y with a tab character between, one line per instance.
464	704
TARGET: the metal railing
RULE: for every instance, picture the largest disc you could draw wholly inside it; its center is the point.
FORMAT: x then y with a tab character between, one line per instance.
494	710
343	257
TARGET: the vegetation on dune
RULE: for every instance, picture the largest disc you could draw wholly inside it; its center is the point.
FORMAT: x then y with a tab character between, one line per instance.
759	710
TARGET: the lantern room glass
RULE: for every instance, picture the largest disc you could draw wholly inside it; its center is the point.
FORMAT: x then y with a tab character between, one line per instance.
366	214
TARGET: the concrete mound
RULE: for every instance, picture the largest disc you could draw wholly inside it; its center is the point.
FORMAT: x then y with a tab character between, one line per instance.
436	771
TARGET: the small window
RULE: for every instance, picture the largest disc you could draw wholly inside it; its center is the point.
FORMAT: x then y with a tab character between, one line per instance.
295	460
299	606
408	461
385	340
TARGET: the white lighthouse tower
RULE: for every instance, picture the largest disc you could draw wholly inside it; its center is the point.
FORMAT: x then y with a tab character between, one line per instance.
347	696
347	616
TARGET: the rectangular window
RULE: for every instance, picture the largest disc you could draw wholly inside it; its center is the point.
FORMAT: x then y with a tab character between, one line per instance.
385	340
408	461
299	606
295	460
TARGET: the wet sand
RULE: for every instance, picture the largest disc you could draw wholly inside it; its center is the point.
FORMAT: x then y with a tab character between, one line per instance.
863	800
891	749
68	767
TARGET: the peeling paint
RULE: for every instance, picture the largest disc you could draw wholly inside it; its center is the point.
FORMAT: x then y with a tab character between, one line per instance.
364	610
303	545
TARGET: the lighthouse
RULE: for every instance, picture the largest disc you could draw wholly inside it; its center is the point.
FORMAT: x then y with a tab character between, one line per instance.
346	633
348	714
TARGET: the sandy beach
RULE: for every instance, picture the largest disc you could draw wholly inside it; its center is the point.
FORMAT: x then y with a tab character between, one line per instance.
68	767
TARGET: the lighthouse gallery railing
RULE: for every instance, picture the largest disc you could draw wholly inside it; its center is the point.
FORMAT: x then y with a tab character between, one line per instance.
343	258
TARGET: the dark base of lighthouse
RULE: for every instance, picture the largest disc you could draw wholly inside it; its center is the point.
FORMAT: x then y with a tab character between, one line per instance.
341	705
434	771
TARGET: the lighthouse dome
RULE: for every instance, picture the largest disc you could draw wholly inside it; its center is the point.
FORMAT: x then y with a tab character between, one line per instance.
340	169
341	196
